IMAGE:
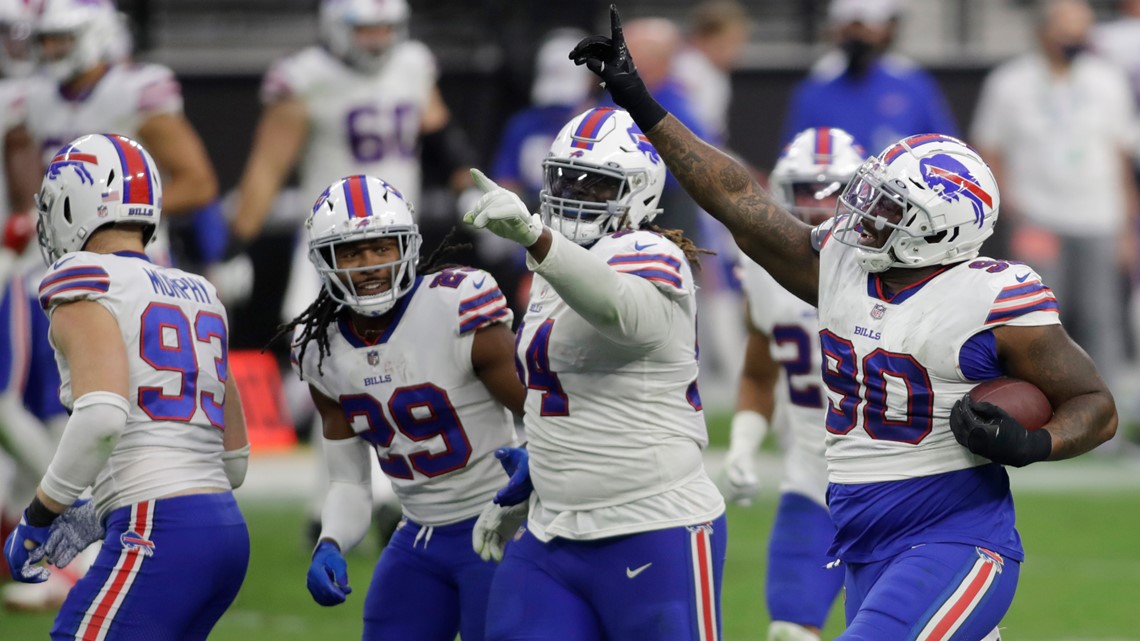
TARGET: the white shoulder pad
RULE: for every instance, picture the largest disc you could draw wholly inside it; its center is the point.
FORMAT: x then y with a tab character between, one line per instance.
416	60
76	276
650	256
477	298
295	75
153	88
1018	295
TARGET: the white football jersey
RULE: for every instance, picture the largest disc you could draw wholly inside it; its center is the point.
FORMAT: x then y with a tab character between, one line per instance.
120	103
13	111
358	123
792	328
615	431
413	394
175	331
892	361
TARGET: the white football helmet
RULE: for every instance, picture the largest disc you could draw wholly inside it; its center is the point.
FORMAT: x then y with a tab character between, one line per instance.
602	175
340	18
817	165
359	208
936	195
98	31
96	180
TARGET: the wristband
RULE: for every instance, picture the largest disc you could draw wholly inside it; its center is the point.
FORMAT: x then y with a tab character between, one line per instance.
38	514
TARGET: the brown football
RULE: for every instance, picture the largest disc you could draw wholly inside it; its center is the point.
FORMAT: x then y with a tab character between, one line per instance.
1023	401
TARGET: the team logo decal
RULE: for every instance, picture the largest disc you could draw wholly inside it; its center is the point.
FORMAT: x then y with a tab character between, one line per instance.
643	144
991	557
878	310
132	540
72	157
951	179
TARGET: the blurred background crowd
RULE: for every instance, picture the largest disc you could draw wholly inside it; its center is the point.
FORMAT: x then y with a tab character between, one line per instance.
1046	91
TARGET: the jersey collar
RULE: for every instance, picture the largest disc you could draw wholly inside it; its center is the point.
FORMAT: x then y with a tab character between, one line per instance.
356	340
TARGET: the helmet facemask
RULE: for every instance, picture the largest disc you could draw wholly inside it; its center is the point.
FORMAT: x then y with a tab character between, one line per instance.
584	202
399	273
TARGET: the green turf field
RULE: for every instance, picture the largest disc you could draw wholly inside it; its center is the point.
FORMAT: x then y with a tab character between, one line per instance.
1082	580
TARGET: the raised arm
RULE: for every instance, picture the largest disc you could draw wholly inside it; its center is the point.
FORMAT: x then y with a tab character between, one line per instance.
722	186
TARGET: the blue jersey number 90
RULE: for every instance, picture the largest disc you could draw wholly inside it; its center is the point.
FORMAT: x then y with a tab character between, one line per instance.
841	369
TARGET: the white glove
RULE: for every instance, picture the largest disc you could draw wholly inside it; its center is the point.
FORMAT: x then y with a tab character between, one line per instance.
738	477
233	279
503	213
494	527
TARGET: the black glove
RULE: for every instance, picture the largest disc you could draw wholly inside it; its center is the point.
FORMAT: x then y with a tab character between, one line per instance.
987	430
610	59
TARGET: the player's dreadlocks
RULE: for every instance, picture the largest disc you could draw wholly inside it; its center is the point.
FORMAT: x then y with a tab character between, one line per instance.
692	252
324	311
449	246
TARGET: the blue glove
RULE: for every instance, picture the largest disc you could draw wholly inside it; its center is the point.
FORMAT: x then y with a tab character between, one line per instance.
328	575
211	232
72	532
23	549
516	461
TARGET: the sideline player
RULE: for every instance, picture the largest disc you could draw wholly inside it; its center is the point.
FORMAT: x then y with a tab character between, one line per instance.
613	416
910	320
90	85
781	378
156	425
419	367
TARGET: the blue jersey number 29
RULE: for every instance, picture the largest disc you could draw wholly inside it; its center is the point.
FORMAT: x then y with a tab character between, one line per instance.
420	412
167	344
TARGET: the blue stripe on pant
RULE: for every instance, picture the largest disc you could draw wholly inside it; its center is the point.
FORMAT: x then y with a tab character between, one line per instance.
428	585
168	569
661	584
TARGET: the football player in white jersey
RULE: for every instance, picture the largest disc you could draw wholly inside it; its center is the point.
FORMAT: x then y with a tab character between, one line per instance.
626	532
418	366
364	101
781	379
156	425
90	86
910	319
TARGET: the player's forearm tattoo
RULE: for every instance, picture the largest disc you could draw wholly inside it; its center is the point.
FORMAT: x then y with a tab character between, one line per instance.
726	189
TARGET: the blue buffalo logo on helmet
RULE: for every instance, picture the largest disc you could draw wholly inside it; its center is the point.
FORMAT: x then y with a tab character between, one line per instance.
69	156
643	144
132	540
953	180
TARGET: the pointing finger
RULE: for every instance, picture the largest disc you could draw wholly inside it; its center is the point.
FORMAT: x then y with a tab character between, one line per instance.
485	184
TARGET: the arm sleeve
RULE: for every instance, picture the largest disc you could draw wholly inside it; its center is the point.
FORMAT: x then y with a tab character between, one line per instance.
348	503
624	307
96	423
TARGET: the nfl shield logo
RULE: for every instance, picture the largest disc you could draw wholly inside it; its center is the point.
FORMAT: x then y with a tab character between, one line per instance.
877	311
373	358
